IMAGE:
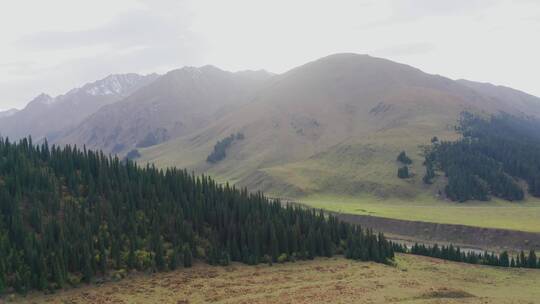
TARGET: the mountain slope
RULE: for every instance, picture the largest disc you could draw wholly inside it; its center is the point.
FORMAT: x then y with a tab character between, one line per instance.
8	113
176	104
334	125
506	95
46	116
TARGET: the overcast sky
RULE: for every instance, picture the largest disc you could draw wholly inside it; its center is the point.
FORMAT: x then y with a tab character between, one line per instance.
55	45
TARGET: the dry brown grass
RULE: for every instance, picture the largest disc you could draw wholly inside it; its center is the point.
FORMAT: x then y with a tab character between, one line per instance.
335	280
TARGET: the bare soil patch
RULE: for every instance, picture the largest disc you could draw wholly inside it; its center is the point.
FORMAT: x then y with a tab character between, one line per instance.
465	236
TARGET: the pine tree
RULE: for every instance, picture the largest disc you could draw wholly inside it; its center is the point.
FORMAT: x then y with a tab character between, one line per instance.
403	172
102	257
532	259
159	254
522	259
87	264
503	258
187	256
173	260
403	158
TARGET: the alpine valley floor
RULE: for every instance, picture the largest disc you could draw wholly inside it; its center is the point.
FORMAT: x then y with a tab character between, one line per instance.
497	213
414	279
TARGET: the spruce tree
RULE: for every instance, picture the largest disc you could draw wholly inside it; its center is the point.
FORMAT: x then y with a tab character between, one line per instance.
187	256
403	158
532	260
403	172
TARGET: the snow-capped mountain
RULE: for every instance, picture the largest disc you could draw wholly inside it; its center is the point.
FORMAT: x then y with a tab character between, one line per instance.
177	103
118	84
47	116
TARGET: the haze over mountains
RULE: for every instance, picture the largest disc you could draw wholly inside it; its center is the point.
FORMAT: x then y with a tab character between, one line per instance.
47	116
7	113
178	103
334	125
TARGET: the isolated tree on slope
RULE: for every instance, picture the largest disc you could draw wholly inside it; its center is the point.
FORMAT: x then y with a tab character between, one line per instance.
403	158
403	172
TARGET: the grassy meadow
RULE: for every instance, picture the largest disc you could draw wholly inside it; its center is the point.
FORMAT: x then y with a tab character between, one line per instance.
414	279
523	216
356	176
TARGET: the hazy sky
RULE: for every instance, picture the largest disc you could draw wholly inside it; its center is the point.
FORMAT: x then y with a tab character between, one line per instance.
55	45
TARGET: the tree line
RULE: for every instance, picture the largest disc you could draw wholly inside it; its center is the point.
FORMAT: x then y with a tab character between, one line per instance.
220	148
489	160
70	215
452	253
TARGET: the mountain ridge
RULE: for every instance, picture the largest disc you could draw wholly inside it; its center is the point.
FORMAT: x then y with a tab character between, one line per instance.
8	112
47	116
177	103
331	126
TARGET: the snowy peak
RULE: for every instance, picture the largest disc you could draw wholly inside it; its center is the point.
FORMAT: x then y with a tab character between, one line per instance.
42	99
47	116
117	84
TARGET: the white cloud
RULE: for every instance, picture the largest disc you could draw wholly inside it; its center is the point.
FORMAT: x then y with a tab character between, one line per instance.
55	45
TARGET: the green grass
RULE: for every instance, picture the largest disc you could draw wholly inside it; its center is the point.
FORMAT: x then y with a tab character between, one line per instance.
524	216
356	175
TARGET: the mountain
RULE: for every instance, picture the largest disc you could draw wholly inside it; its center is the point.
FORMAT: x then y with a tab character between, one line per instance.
506	95
47	116
8	113
334	126
176	104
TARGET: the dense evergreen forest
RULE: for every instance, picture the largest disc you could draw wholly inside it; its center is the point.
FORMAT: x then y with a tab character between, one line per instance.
220	148
69	216
490	159
455	254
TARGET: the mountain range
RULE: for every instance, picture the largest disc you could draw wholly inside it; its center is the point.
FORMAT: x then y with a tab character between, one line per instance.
334	125
178	103
50	117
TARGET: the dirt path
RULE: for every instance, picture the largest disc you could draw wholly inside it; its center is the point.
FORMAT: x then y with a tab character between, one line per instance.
465	236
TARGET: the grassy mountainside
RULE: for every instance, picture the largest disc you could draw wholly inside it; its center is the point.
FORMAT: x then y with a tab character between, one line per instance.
333	126
414	280
495	158
506	95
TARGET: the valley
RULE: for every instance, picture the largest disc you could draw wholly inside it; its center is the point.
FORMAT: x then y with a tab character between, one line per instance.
261	152
325	134
522	216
